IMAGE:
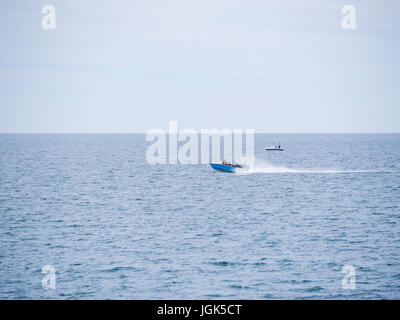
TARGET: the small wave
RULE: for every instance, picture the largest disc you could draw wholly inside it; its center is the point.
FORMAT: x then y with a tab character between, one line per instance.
226	263
116	269
221	263
236	286
314	289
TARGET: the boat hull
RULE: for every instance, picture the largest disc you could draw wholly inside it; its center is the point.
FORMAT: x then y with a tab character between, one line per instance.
222	167
273	149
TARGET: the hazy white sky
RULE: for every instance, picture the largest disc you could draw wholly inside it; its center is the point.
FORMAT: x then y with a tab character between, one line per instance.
129	66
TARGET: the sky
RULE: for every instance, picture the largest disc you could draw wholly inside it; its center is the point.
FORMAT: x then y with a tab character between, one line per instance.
128	66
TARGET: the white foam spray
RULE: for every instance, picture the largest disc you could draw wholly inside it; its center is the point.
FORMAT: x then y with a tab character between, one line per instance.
262	166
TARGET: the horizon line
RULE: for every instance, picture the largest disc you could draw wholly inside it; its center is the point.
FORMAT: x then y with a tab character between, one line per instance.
81	133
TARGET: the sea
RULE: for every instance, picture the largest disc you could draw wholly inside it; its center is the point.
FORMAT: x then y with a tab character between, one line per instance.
85	216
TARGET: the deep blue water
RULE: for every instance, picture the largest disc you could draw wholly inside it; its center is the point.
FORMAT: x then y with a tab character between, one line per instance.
115	227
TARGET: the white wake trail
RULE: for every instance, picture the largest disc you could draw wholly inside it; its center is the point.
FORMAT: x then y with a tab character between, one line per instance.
262	166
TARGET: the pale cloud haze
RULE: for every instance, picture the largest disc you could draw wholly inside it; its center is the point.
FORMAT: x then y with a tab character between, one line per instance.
129	66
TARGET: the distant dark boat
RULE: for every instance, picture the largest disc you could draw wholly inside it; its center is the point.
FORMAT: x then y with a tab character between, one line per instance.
274	148
225	167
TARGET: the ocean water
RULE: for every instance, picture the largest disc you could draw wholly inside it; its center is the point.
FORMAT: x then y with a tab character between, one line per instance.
115	227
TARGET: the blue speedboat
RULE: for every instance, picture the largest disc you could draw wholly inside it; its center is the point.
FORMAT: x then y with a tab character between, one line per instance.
225	167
